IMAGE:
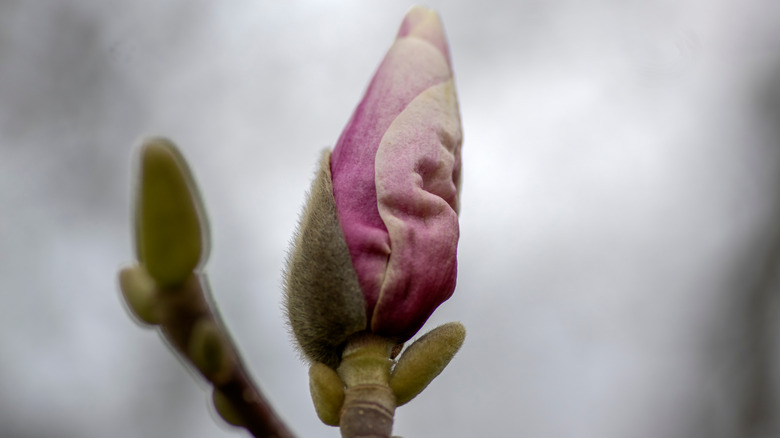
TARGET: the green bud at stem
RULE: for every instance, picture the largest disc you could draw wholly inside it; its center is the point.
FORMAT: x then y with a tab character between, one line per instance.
327	393
425	359
170	237
140	294
225	409
208	352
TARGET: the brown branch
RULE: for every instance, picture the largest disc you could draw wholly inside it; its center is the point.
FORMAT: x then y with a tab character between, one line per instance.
184	307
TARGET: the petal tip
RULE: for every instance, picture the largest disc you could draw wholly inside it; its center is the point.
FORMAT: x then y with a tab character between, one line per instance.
424	23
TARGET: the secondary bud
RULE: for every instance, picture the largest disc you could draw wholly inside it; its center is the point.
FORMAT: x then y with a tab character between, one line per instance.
208	352
140	294
327	393
225	409
425	359
170	233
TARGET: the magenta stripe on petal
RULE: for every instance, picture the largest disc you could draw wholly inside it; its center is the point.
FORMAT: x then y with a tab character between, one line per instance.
417	173
379	247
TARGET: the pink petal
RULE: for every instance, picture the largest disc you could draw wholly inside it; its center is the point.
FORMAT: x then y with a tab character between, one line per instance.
416	65
417	174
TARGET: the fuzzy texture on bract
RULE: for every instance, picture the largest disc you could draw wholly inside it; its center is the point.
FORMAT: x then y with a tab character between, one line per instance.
323	299
425	359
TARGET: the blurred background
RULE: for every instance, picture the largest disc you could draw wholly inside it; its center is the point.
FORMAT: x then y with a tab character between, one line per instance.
620	208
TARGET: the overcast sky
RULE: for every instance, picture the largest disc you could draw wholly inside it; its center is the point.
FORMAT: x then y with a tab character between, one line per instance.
618	219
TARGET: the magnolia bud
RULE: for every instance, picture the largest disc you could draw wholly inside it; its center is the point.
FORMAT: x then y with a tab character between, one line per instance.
225	409
327	392
376	249
208	351
140	294
425	359
170	234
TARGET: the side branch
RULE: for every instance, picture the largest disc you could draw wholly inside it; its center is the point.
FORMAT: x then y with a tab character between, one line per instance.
167	288
189	322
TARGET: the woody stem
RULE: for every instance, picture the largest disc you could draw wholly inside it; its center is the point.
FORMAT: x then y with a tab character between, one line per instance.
369	403
184	306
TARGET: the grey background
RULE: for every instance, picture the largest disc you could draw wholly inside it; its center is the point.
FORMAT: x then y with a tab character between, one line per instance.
619	208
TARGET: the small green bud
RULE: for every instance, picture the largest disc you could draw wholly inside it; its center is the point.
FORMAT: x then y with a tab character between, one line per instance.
425	359
170	235
140	294
208	352
225	409
327	393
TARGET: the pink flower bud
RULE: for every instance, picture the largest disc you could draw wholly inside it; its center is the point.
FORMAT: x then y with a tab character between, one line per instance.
377	242
396	172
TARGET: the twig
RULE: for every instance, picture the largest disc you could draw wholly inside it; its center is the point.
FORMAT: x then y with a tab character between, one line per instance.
184	311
